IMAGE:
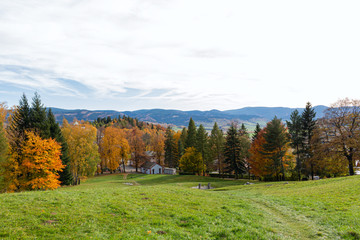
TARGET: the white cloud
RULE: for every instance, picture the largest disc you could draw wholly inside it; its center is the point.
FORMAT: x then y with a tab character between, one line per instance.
206	54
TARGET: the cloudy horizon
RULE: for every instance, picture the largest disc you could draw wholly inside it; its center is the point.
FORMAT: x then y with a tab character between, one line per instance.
186	55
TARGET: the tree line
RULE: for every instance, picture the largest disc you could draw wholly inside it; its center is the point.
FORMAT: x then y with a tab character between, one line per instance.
37	153
298	149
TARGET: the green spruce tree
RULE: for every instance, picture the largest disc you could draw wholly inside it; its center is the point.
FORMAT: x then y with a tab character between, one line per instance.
296	136
55	133
232	152
171	150
38	117
308	128
256	132
19	123
216	143
191	135
202	146
276	139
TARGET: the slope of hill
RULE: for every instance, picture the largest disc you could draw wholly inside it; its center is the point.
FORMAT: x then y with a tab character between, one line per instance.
249	115
141	206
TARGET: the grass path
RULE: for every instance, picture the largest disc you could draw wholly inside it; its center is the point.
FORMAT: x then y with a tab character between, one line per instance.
287	225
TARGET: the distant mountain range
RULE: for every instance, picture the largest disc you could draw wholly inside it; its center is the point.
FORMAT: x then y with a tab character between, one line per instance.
248	115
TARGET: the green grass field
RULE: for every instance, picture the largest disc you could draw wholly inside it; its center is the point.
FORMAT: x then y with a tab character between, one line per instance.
167	207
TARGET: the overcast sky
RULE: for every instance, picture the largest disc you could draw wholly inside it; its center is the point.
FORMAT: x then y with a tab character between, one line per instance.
185	54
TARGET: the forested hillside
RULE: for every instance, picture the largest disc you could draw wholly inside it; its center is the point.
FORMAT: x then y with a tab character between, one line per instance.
249	115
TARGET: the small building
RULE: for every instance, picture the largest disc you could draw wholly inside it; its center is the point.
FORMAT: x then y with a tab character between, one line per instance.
357	167
171	171
151	168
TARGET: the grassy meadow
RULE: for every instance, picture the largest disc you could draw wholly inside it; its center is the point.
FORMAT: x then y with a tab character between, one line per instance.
167	207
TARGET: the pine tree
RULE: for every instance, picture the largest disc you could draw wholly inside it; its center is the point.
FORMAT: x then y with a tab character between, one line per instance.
55	133
256	132
296	135
232	152
191	135
308	128
245	144
38	118
171	153
19	122
243	130
202	145
276	140
216	143
182	142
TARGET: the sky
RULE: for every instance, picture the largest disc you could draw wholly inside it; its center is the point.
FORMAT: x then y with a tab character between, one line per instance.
179	54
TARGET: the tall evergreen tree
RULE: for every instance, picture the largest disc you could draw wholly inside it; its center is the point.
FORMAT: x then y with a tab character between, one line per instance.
308	128
38	117
256	132
182	141
245	144
191	135
232	152
55	133
171	151
216	143
276	146
18	124
296	135
243	130
202	145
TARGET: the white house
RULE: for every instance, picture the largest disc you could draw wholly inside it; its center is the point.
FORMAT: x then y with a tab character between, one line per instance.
171	171
151	168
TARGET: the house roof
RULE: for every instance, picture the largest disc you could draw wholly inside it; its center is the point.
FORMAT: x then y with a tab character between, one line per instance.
148	165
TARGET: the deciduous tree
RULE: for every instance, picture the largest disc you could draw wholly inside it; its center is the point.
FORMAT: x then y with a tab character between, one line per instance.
36	167
83	150
137	146
115	148
342	120
192	161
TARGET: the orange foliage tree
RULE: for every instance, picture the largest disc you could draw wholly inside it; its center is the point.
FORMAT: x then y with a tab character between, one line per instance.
259	163
38	166
157	143
137	146
114	148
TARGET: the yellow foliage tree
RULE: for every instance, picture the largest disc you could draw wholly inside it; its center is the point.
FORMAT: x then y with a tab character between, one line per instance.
38	166
157	144
192	161
3	143
115	148
83	150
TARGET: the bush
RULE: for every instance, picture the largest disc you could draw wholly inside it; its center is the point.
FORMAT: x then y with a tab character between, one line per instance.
186	173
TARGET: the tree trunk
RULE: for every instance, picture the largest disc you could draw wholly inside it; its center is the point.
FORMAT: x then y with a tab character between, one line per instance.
123	162
351	166
312	171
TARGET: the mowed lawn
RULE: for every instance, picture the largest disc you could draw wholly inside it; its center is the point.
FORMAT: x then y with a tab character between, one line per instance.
167	207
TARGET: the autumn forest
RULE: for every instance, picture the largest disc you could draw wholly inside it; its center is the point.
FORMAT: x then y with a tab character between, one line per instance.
37	153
